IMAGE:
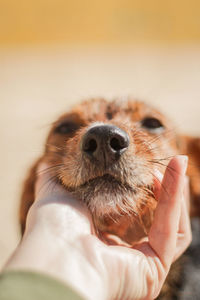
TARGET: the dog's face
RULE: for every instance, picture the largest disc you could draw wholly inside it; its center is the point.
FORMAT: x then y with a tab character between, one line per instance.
107	154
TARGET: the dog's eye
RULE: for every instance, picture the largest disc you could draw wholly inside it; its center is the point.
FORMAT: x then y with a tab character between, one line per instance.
66	128
151	123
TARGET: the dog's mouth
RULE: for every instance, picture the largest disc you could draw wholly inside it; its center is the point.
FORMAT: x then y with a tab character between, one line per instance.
105	181
108	194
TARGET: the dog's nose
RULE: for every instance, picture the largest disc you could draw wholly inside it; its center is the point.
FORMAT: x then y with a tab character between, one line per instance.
105	142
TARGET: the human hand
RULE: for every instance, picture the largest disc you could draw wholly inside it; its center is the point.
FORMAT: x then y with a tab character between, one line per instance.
60	241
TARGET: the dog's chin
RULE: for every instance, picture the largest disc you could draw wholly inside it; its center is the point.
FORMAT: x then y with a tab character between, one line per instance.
106	195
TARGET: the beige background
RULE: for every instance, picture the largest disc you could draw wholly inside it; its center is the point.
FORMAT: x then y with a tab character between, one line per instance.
38	83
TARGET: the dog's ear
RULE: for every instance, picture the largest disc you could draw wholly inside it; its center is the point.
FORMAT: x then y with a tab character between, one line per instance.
191	147
28	195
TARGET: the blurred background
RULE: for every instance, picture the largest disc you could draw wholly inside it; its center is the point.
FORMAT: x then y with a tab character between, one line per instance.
54	53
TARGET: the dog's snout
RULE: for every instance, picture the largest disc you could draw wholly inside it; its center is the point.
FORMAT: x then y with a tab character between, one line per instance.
105	142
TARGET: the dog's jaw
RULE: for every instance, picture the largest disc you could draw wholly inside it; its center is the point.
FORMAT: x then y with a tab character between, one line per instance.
121	202
118	209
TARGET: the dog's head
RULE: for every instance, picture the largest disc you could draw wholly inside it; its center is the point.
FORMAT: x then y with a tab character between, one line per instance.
107	154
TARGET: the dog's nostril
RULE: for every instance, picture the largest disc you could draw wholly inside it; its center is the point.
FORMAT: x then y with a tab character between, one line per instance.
90	145
116	144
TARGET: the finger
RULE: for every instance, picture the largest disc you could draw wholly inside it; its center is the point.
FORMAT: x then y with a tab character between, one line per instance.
112	239
58	201
46	182
48	187
184	224
163	233
187	193
184	233
158	177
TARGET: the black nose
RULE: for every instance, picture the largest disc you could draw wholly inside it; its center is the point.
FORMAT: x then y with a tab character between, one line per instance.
105	142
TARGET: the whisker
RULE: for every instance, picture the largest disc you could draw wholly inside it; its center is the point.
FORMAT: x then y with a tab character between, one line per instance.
51	168
58	148
49	181
161	159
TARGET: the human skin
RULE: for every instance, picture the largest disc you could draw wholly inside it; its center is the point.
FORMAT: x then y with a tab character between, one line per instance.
60	241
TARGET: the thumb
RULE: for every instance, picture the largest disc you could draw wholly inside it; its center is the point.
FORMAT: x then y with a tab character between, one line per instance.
55	205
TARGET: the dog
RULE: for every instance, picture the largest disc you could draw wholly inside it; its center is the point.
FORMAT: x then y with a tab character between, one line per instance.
106	153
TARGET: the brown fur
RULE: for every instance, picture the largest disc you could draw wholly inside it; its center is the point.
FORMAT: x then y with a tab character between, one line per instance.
119	195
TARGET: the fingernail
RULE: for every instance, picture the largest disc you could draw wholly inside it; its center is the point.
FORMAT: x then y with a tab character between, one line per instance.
184	159
158	175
